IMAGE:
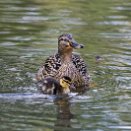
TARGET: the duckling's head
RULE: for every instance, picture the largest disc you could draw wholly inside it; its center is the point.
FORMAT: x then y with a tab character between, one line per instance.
65	83
66	43
49	86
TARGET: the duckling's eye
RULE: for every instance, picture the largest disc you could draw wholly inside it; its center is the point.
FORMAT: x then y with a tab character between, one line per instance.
67	81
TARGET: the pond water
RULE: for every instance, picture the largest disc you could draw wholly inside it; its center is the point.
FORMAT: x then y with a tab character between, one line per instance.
28	35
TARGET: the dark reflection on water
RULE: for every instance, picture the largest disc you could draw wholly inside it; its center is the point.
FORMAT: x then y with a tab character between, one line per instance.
28	34
64	115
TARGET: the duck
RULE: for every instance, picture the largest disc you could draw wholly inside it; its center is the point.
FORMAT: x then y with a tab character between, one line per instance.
66	63
51	86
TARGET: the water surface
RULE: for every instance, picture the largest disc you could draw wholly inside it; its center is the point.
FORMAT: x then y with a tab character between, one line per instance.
28	35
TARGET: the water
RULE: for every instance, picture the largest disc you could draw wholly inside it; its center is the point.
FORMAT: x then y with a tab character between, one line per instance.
28	35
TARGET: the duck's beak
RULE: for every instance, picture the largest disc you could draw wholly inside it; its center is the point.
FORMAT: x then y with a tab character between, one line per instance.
76	45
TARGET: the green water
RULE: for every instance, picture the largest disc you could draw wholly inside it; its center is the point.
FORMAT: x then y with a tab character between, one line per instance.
28	35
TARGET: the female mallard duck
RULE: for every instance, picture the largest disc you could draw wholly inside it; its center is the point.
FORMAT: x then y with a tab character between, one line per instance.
52	86
65	63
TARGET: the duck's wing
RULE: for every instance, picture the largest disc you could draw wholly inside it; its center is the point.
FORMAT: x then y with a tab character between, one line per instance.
81	67
49	68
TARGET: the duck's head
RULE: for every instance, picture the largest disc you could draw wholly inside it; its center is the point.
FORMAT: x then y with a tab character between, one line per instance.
66	43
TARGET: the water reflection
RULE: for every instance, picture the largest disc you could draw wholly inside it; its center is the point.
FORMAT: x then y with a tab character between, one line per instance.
64	115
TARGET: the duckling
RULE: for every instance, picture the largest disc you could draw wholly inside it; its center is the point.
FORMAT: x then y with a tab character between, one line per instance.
51	86
65	63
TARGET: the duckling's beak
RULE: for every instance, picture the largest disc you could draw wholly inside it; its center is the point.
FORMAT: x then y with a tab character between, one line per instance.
76	45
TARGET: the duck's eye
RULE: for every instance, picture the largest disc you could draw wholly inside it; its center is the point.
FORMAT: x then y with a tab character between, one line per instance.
66	40
62	39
